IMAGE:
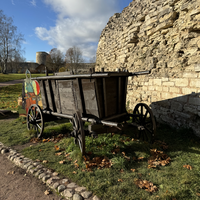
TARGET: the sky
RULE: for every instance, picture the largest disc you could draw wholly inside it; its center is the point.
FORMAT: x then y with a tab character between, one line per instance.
61	24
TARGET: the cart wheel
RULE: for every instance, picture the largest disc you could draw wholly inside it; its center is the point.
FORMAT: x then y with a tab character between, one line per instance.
35	119
143	116
78	131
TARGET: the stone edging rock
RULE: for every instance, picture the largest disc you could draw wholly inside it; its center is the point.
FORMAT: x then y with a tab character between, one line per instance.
64	187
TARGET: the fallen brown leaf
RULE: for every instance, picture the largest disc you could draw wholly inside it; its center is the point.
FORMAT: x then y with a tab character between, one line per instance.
188	167
120	180
58	154
56	147
62	161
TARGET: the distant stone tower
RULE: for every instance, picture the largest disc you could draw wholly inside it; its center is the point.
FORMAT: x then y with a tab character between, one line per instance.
41	57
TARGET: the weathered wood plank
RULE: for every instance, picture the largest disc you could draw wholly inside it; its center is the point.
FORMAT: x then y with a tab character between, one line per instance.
100	97
66	96
45	103
88	87
120	95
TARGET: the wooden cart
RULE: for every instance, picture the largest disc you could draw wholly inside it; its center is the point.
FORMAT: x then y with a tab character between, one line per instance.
99	98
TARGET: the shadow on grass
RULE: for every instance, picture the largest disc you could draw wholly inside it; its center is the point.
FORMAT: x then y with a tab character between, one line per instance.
9	115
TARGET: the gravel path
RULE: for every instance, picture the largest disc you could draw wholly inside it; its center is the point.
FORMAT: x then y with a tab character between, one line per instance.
4	84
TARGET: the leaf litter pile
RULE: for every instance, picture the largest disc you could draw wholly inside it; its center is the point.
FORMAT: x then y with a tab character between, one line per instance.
53	139
158	158
147	185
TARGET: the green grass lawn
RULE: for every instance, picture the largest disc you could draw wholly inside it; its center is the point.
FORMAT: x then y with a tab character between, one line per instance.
11	77
129	159
9	96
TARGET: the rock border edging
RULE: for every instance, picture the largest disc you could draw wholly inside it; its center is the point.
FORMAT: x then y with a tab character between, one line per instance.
65	188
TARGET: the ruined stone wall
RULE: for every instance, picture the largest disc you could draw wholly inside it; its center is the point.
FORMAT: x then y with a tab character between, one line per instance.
162	36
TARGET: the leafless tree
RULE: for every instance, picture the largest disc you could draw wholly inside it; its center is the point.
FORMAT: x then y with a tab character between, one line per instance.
55	60
93	59
10	40
73	58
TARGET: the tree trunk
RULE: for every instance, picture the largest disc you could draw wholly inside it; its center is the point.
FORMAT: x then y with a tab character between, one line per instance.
5	67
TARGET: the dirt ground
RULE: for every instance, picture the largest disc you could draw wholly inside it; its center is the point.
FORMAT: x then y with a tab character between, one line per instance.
15	185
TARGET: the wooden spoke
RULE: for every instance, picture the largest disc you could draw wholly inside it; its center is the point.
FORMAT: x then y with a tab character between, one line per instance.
78	131
35	120
143	117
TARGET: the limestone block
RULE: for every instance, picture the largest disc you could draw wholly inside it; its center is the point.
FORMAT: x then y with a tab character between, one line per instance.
151	88
136	29
157	82
195	83
178	46
175	89
164	25
190	108
183	115
144	88
148	27
176	106
190	74
141	34
183	82
194	101
193	42
195	11
197	68
167	95
169	83
151	21
169	16
151	32
165	89
191	51
165	79
152	14
165	31
159	88
141	17
184	7
197	17
182	98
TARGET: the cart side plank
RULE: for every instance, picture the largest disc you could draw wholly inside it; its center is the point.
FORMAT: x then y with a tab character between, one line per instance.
55	91
50	96
77	96
88	86
66	96
44	95
119	95
110	96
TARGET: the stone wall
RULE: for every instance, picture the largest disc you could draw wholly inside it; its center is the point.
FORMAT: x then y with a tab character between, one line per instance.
162	36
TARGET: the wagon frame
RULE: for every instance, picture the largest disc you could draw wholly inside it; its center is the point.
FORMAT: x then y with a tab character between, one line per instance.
98	97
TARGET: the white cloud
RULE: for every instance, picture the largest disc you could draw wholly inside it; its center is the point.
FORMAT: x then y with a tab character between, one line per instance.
79	23
12	1
33	2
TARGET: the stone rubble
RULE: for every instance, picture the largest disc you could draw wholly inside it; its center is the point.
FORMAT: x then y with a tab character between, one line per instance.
65	188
